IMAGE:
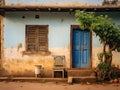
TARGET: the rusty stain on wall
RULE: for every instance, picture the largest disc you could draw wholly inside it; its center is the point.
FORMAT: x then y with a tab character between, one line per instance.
19	46
95	60
17	65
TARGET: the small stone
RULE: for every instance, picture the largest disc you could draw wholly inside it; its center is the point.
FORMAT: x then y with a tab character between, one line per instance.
70	79
88	83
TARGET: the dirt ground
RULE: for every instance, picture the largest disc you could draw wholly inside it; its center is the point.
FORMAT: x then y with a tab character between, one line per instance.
56	86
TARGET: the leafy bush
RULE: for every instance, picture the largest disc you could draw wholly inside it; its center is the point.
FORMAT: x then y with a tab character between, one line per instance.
103	66
102	70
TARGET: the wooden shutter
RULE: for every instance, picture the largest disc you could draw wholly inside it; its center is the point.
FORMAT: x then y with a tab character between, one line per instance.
31	37
37	38
43	38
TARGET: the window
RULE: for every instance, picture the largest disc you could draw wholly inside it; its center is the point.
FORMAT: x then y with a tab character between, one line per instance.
37	38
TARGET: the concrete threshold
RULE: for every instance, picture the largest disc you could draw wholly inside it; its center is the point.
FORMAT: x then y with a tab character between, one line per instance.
79	79
91	79
32	79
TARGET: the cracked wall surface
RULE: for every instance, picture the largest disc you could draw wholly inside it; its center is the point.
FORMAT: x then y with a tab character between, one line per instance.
17	63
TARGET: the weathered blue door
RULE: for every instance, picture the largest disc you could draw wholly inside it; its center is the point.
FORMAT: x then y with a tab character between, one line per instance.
80	49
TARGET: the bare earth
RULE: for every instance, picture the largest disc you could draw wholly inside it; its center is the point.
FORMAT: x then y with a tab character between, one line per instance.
55	86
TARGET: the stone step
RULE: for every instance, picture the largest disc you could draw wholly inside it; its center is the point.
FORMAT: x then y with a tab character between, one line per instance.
89	79
86	79
80	73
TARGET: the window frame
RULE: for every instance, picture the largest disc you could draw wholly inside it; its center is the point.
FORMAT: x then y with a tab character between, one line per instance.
38	45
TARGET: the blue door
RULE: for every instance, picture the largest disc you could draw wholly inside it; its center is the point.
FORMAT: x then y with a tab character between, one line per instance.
80	49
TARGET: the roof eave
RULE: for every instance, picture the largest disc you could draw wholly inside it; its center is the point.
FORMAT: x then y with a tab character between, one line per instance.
99	8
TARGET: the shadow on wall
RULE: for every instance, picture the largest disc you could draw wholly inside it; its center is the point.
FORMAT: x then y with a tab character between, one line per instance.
3	72
25	68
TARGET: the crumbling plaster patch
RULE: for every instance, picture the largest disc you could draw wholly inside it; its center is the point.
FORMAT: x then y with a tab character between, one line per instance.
15	63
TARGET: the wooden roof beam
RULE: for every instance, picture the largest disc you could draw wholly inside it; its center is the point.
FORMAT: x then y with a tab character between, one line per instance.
60	9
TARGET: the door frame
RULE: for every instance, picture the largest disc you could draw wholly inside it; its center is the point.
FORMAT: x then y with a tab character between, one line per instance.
71	32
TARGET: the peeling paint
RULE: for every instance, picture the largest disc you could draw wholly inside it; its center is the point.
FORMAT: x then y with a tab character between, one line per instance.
18	65
95	61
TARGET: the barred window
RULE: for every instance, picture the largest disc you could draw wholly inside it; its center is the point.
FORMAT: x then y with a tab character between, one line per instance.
37	38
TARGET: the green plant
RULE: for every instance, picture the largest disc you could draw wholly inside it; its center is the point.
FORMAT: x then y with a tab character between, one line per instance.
85	19
108	31
106	56
103	66
100	56
113	75
102	70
